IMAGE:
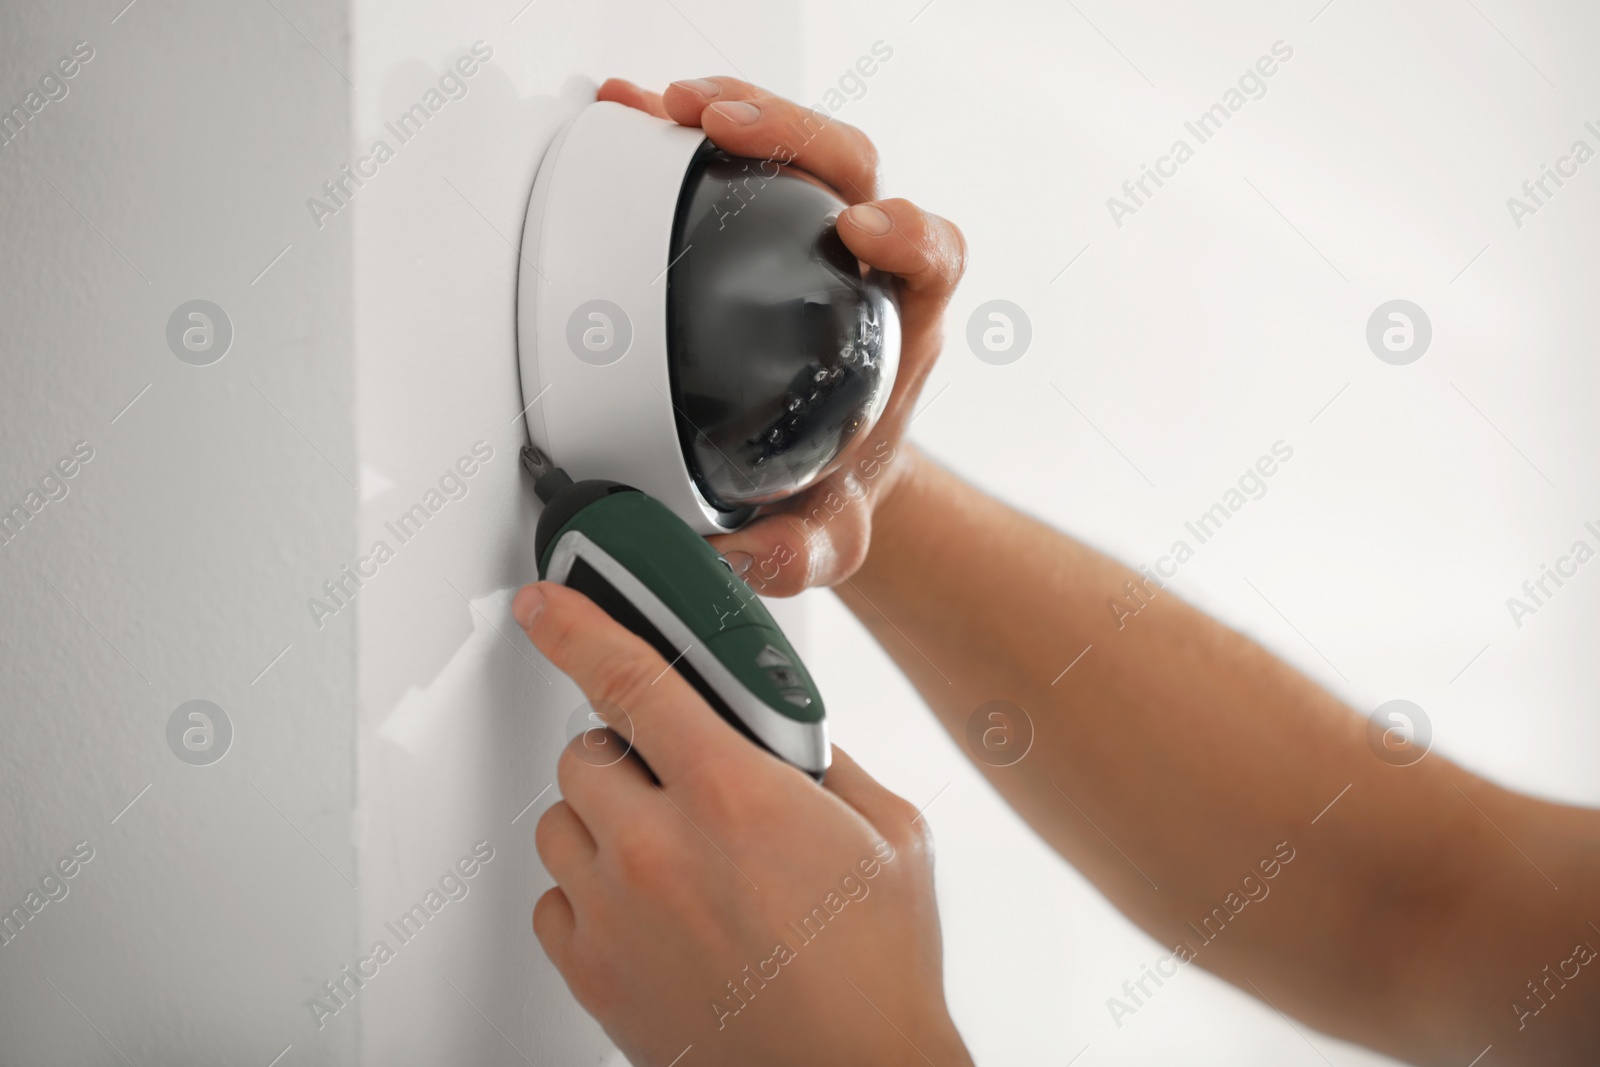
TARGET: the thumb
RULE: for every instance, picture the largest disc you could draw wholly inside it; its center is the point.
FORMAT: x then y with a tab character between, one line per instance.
818	538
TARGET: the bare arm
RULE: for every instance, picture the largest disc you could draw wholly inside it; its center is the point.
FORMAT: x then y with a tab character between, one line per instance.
1184	769
1188	773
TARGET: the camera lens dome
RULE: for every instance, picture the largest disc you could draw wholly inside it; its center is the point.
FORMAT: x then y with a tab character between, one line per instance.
782	350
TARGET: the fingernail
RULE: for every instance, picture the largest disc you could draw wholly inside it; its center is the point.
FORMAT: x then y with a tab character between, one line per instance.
707	89
869	218
739	562
738	111
528	605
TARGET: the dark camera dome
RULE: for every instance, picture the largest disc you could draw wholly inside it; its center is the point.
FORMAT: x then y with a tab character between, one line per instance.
781	349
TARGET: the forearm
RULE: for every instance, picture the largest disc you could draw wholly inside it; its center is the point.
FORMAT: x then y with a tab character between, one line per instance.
1176	758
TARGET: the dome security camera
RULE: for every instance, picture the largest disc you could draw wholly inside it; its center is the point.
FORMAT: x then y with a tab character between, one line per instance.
690	322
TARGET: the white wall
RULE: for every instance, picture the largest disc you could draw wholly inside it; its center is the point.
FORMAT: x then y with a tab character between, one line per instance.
177	566
461	721
1196	335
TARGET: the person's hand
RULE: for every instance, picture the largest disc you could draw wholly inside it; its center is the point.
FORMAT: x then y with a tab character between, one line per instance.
821	536
733	905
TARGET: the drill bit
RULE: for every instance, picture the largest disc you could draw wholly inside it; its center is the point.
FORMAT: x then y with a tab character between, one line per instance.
548	479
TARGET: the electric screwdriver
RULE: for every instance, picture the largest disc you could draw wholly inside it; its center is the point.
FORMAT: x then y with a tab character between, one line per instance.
651	572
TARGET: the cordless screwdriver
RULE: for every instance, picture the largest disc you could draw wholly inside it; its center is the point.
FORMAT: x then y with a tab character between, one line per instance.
651	572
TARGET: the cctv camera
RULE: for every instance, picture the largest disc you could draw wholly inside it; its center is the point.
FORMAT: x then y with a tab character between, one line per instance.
690	322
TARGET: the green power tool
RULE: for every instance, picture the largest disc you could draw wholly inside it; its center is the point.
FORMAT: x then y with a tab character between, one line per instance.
651	572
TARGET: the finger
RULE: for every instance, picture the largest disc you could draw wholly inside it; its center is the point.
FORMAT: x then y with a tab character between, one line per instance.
553	924
928	254
606	783
892	815
674	730
564	845
821	536
622	91
686	100
817	538
925	251
749	121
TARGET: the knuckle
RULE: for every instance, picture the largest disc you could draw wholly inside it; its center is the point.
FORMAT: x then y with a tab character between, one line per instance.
644	856
544	929
848	555
956	267
544	912
940	242
903	826
555	631
904	814
566	767
922	839
622	677
781	568
834	531
870	160
544	832
782	584
916	837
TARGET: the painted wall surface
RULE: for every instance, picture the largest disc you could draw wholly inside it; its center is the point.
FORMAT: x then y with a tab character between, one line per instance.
1229	312
173	564
385	734
461	720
